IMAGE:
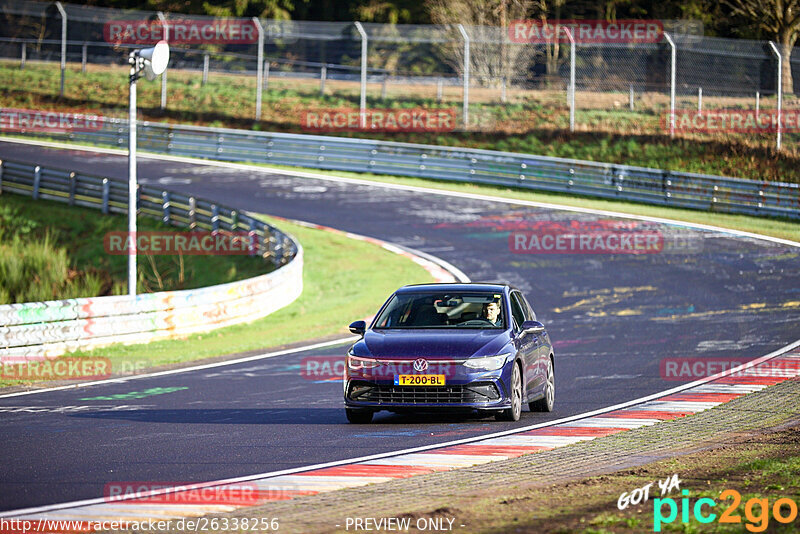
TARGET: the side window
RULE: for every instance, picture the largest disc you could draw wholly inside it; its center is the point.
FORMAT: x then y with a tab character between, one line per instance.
529	313
517	310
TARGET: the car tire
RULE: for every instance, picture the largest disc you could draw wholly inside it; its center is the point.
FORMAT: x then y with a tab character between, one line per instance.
358	417
546	403
515	412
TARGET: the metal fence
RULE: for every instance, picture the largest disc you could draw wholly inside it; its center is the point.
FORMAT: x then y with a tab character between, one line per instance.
652	186
620	87
37	330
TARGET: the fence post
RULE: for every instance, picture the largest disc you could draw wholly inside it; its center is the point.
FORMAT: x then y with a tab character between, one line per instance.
630	98
23	56
383	87
503	90
63	45
266	75
83	57
253	235
164	25
260	67
780	92
214	219
192	213
165	207
323	73
363	105
205	68
439	84
666	183
73	185
37	178
672	68
699	99
106	191
758	103
571	80
465	111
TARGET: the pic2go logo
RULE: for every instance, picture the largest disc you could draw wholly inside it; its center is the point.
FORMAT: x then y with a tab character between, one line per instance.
756	511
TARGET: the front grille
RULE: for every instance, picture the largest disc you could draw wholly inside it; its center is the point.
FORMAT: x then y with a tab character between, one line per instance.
388	394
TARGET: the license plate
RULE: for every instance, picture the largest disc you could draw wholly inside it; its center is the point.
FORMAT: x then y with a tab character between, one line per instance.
419	380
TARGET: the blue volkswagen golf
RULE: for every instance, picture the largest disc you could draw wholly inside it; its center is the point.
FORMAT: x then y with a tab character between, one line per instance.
472	347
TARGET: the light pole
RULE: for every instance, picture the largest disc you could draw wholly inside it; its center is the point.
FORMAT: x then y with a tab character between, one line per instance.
151	62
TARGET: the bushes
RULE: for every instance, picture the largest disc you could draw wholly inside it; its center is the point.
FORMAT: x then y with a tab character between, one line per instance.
36	270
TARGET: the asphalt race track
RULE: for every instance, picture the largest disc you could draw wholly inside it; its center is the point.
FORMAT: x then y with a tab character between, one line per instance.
614	319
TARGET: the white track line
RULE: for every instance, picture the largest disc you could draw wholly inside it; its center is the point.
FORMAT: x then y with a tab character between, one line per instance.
483	437
122	379
475	196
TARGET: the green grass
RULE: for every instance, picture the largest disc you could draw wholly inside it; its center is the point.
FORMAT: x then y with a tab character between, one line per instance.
536	123
343	280
75	252
36	270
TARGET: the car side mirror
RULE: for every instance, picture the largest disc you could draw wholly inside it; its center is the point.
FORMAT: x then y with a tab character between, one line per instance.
359	327
533	327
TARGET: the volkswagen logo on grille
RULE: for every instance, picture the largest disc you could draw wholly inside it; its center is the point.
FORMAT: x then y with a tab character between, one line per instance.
420	364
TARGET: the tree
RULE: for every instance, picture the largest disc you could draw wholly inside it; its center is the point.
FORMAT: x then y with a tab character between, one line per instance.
781	18
492	56
544	10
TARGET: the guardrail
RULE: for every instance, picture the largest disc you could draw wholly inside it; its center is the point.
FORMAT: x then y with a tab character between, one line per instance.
40	330
604	180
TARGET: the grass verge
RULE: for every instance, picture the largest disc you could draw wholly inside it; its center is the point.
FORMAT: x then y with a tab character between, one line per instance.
763	468
75	236
536	122
343	279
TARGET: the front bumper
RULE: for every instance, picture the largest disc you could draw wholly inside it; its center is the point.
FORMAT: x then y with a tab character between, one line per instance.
485	394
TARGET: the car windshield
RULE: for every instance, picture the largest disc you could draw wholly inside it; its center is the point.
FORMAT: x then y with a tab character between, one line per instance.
443	310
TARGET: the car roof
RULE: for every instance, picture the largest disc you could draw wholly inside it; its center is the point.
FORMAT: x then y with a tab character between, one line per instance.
473	286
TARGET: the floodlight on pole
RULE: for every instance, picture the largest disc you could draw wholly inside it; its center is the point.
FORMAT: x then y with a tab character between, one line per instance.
151	62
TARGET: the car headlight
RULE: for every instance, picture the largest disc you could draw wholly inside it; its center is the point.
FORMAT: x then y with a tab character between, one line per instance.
357	363
489	363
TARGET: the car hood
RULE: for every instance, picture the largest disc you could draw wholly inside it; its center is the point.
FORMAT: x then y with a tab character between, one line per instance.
434	344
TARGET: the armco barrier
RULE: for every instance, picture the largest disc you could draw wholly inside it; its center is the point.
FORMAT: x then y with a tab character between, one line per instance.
605	180
40	330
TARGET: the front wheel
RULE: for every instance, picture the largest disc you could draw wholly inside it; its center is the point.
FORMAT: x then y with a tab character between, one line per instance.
513	413
359	417
545	404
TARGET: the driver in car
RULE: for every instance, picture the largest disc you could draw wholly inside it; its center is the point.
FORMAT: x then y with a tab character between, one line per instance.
491	312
